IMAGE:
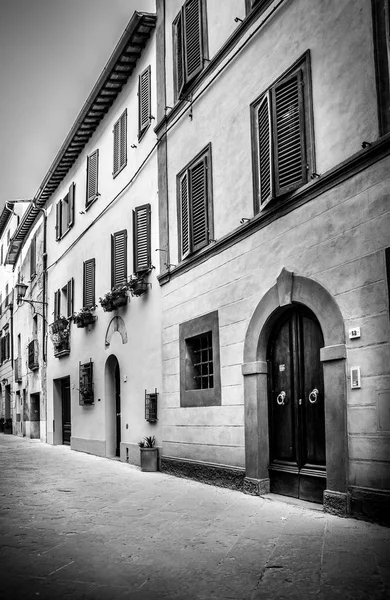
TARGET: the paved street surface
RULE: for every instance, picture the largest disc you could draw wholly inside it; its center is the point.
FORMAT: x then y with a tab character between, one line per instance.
79	526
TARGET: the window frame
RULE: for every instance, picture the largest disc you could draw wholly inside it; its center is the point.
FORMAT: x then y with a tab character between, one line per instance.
306	116
182	46
89	200
62	227
121	123
204	154
191	329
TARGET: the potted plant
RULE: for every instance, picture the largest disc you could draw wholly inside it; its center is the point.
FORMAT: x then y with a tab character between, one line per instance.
84	317
115	298
137	285
59	324
149	454
60	341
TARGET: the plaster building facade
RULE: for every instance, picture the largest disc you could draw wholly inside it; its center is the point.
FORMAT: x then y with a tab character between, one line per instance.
99	199
274	211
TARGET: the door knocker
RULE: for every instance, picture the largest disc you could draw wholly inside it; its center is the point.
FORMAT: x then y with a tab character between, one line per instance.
280	398
313	396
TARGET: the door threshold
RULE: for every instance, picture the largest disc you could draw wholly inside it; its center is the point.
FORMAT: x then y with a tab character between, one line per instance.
293	501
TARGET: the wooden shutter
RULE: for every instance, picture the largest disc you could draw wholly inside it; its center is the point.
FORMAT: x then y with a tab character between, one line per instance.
58	220
198	204
89	283
144	101
33	257
265	166
179	56
193	43
289	142
92	176
141	237
57	304
119	258
69	297
185	216
123	140
71	197
116	147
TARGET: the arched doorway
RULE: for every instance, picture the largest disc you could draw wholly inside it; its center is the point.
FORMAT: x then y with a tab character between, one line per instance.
296	409
113	406
291	290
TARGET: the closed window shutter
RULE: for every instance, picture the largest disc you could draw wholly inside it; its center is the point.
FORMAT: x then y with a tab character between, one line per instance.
179	57
265	151
123	140
141	237
58	220
89	283
119	258
198	195
69	297
144	108
71	197
57	304
116	147
33	255
193	39
185	216
289	142
92	176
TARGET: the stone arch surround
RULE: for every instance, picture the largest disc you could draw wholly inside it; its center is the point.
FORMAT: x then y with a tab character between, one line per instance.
116	324
291	288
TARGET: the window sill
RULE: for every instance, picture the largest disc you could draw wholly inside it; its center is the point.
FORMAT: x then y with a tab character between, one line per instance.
116	173
63	235
91	202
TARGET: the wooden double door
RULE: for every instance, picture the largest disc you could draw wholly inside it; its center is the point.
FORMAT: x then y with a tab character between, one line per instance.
296	408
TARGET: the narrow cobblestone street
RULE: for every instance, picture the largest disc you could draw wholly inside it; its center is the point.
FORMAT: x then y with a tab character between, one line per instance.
80	526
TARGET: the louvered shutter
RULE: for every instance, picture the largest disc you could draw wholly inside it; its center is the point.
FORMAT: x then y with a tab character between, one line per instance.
119	258
144	108
265	167
123	140
185	216
33	256
71	197
57	304
289	142
141	237
116	147
179	56
193	42
58	220
89	283
198	204
92	176
69	297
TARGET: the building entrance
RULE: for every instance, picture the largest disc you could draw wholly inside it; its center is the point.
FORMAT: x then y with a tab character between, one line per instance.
66	410
296	407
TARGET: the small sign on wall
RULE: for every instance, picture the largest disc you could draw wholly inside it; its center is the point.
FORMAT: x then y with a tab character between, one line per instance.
355	378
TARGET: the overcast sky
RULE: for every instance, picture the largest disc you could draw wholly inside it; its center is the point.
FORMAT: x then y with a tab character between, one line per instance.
51	54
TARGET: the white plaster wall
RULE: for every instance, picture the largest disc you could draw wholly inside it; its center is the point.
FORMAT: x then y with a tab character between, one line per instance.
90	237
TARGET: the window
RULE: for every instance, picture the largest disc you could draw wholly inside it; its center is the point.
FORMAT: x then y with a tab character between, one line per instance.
5	347
200	380
141	238
1	255
195	204
86	395
119	258
92	177
120	144
283	157
144	102
63	301
251	4
189	43
33	257
381	26
65	213
89	283
6	299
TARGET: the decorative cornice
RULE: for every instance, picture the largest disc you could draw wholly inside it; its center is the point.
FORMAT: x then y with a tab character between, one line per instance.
343	171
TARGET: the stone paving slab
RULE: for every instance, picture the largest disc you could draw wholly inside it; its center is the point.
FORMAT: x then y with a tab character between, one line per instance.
79	526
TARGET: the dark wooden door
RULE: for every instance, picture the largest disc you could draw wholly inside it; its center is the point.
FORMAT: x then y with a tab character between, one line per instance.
66	414
296	407
118	410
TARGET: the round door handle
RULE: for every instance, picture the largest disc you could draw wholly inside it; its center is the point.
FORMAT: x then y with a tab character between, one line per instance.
313	396
281	398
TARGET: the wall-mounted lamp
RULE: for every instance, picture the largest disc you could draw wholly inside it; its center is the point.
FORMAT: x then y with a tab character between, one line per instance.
21	289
